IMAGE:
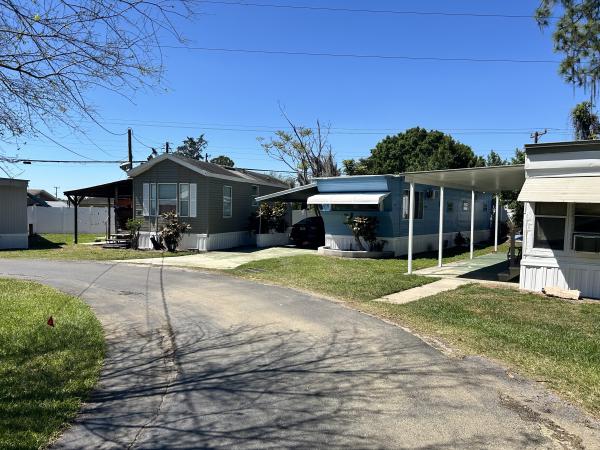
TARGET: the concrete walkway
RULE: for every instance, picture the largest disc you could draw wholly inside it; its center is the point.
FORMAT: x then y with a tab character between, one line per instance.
482	269
485	267
222	259
427	290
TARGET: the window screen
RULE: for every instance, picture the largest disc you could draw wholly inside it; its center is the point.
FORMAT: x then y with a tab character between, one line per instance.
227	209
167	198
550	221
184	199
418	204
586	229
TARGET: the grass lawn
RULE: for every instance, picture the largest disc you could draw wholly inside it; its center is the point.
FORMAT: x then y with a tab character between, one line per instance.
547	339
45	372
348	279
60	246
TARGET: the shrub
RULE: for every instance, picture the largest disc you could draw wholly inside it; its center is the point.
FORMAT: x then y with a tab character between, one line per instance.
172	230
134	226
364	227
272	216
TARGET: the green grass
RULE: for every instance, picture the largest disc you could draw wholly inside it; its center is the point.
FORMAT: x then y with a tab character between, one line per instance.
45	372
347	279
60	246
548	339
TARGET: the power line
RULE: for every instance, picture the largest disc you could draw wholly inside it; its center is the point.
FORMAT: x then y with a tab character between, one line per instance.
365	56
372	11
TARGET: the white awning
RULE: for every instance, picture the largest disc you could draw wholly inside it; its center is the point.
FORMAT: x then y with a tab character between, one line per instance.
561	189
374	198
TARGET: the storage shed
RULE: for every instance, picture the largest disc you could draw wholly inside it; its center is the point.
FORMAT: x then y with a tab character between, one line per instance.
13	213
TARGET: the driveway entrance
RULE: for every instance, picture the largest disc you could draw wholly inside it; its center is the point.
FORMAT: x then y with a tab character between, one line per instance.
224	259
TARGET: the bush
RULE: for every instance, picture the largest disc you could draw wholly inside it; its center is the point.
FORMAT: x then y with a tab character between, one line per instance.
172	231
364	227
272	217
134	226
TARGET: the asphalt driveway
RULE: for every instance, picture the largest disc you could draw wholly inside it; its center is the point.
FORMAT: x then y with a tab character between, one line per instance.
203	360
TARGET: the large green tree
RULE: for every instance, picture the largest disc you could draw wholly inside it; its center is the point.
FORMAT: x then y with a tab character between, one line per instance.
415	149
193	147
576	35
223	160
586	124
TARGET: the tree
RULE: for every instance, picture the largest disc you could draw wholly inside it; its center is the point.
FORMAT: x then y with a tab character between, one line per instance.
306	151
415	149
585	122
54	51
577	36
223	161
192	148
494	159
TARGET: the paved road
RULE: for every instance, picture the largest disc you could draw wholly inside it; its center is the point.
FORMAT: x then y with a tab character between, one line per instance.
202	360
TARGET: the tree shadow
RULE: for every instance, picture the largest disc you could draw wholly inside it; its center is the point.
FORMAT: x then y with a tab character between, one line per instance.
37	242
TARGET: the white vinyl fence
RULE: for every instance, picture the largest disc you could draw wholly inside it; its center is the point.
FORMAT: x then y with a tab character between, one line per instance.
90	219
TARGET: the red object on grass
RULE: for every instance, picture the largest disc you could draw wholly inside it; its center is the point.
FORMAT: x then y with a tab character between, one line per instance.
50	322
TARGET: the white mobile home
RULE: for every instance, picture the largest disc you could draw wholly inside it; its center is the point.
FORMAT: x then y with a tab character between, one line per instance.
13	213
561	227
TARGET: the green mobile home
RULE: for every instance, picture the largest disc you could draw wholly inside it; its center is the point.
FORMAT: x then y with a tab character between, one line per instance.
216	201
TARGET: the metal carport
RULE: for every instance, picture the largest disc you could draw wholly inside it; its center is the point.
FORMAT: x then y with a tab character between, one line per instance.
108	190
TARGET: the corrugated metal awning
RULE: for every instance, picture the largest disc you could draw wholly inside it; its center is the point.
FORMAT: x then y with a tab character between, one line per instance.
348	199
561	189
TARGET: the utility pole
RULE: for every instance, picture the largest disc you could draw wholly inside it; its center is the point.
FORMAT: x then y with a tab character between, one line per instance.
129	149
56	191
167	146
536	135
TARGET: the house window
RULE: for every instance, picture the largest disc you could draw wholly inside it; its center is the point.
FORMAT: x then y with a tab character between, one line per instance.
167	198
254	194
550	222
586	228
227	210
355	207
326	207
153	199
418	204
184	199
449	206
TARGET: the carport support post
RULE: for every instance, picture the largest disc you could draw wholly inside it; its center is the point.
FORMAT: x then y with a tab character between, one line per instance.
496	223
75	205
472	222
411	217
441	236
108	221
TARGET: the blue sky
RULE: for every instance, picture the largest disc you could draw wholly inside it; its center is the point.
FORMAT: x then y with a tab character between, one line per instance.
233	97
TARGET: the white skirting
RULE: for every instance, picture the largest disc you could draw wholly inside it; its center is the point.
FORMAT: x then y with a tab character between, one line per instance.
204	242
572	273
399	245
273	239
14	241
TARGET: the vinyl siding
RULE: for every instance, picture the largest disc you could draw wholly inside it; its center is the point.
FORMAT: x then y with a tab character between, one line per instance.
170	172
392	224
209	208
13	208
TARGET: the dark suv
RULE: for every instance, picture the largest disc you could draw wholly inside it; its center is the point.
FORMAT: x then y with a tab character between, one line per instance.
309	232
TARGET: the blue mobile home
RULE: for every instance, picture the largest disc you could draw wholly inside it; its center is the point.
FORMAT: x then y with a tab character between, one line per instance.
386	197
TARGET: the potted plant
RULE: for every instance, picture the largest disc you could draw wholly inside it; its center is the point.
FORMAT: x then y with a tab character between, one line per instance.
134	226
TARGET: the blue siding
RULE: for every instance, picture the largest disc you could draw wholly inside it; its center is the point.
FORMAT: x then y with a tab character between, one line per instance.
391	223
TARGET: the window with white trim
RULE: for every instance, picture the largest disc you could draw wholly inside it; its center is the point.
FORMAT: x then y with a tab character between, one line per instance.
586	228
167	198
227	202
419	206
549	228
184	199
